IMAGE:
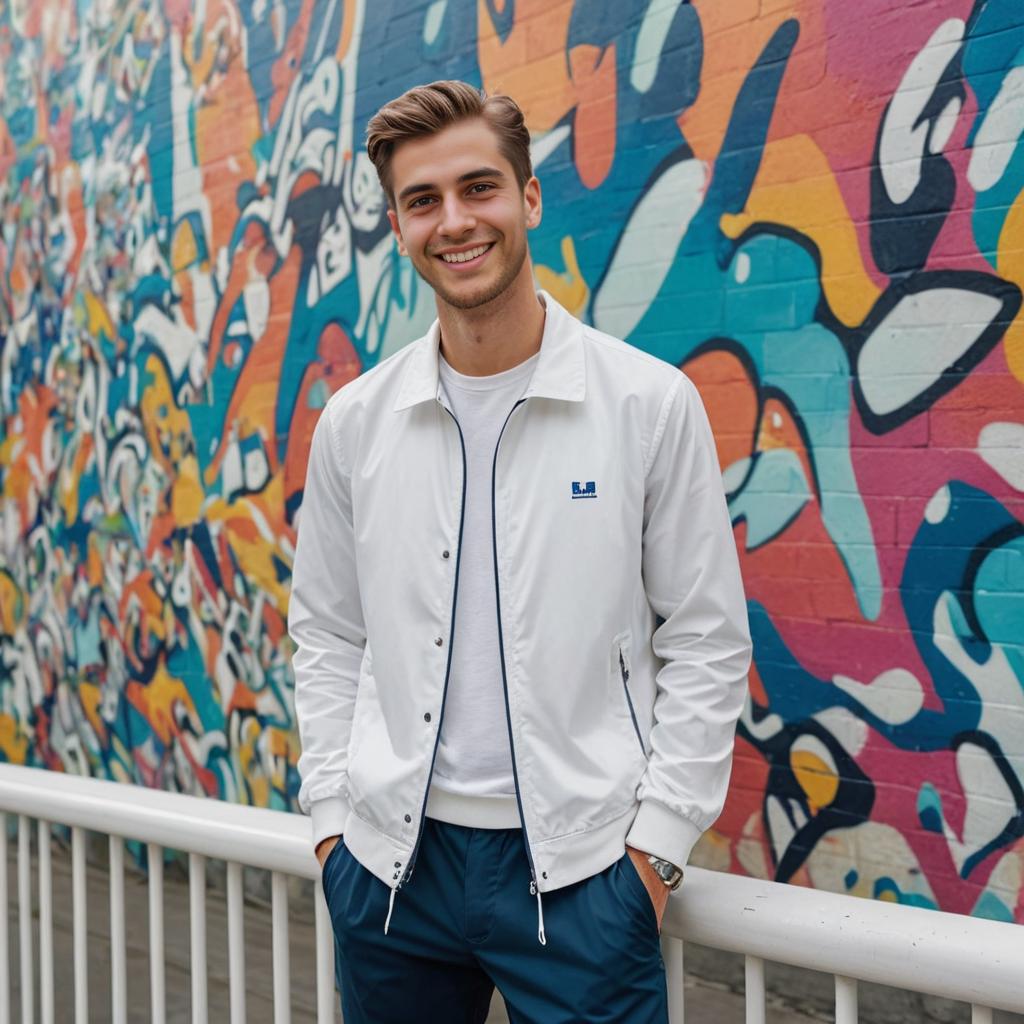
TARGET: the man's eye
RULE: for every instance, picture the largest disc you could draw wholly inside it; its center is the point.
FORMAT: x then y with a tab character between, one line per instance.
481	186
421	200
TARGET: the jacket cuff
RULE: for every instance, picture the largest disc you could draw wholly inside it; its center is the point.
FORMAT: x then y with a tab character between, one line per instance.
663	833
329	817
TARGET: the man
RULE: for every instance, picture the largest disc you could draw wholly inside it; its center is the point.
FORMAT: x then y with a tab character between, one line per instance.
521	635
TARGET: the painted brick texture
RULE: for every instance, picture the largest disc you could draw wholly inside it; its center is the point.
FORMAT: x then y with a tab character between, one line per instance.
814	208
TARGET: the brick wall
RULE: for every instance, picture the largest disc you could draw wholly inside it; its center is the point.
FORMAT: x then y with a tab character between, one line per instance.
813	207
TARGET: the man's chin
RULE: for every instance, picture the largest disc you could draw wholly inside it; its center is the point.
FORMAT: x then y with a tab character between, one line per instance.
472	298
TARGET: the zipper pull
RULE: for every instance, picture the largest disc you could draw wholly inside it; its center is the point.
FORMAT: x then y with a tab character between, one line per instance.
533	887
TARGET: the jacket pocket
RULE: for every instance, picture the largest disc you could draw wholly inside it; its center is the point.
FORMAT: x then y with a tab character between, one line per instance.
620	652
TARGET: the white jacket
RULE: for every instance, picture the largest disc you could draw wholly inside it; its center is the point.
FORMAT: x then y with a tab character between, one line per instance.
609	518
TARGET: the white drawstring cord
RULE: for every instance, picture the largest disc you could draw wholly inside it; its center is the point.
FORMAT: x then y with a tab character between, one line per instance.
542	938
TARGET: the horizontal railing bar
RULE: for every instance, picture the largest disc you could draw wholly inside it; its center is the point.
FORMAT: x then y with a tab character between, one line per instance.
968	959
955	956
255	836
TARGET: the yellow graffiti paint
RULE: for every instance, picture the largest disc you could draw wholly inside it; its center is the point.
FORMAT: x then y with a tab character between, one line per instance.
187	493
98	320
254	550
13	741
157	699
185	248
1010	264
89	697
12	604
95	563
818	781
795	188
71	477
568	287
167	427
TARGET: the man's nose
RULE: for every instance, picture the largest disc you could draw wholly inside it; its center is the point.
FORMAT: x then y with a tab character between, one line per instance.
456	217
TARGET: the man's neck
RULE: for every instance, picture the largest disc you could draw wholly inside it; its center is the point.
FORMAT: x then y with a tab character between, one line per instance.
495	337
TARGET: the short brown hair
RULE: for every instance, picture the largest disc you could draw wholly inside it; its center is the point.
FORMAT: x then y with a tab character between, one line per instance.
428	109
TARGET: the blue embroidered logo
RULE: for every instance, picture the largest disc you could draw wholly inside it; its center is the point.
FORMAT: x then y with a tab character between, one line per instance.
587	490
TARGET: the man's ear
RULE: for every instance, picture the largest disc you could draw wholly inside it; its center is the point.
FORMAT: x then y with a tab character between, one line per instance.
393	221
534	204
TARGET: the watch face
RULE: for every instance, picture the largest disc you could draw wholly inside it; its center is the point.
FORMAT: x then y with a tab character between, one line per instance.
667	872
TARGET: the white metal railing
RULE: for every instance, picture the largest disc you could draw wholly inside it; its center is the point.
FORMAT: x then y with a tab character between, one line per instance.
962	958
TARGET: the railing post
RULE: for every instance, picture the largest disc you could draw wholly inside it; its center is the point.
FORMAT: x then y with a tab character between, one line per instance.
672	954
155	870
197	920
5	975
78	909
118	944
846	1000
236	943
981	1014
754	971
45	922
324	957
28	1010
279	923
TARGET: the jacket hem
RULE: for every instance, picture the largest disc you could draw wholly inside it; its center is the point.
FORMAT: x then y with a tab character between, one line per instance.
382	855
571	858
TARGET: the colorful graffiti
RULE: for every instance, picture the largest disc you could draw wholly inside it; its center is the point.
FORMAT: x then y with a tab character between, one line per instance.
816	209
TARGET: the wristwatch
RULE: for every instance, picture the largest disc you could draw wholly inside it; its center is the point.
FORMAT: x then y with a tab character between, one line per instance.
667	871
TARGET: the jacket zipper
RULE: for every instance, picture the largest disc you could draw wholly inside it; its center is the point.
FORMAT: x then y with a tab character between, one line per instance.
501	650
448	668
624	670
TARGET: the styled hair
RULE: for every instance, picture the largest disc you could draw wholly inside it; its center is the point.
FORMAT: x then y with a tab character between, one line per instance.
427	109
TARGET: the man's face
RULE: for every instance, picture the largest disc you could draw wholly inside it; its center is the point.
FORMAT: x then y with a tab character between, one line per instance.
459	214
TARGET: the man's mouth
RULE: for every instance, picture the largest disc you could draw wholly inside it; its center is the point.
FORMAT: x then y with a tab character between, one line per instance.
467	256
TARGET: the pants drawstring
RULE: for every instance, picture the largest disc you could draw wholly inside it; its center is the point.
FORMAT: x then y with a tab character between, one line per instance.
540	921
391	907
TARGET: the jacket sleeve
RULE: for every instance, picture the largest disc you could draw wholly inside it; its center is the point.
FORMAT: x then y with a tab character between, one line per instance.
692	578
325	621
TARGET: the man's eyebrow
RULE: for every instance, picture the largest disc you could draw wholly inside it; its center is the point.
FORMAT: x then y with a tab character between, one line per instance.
480	172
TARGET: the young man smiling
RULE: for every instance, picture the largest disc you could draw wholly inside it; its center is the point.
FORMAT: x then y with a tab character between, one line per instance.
521	635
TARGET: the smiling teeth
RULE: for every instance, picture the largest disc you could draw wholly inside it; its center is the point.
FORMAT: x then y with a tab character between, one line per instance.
463	257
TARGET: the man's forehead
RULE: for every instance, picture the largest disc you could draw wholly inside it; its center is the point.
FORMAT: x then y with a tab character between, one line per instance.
449	153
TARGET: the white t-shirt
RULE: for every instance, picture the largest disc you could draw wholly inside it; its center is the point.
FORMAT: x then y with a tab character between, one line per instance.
472	782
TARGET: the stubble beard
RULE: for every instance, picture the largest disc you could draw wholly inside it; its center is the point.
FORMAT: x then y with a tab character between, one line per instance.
489	293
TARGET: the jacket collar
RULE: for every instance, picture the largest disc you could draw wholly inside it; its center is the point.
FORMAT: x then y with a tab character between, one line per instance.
560	372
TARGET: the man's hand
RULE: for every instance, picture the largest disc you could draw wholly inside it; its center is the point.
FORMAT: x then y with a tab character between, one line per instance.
656	888
324	847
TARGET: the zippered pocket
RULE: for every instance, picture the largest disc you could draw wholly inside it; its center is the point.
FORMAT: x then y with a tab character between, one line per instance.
622	644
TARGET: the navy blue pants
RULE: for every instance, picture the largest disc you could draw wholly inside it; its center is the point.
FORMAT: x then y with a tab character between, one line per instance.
466	922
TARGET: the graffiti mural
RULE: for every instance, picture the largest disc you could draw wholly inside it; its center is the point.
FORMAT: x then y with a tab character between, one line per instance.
815	209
